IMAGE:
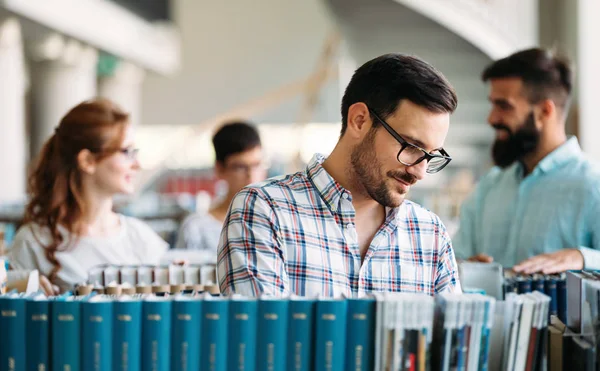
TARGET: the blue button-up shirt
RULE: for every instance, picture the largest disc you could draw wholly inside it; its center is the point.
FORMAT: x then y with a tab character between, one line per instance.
512	217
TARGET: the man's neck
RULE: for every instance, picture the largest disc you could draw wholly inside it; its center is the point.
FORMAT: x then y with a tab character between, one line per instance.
546	147
219	212
336	166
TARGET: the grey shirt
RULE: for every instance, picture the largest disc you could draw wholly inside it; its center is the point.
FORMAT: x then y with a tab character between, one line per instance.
133	244
199	231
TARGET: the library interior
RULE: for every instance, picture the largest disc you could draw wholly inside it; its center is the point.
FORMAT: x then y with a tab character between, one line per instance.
368	185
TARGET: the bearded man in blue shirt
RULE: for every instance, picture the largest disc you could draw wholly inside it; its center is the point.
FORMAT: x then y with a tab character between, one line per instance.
537	210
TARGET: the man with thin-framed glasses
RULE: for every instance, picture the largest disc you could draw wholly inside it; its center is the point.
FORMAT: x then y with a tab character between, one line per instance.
343	226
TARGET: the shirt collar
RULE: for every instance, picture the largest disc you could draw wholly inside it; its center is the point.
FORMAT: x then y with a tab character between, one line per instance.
331	191
560	156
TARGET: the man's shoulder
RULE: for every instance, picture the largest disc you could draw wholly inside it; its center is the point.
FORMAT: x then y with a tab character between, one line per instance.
279	187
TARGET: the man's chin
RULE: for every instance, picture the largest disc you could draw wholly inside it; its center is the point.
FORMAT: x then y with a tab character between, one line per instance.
396	200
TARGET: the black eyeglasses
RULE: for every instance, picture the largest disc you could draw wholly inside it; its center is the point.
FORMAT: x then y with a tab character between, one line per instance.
130	153
410	154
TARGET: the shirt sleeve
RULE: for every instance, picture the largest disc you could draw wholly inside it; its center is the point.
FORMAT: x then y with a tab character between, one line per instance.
464	240
22	254
591	254
250	258
446	279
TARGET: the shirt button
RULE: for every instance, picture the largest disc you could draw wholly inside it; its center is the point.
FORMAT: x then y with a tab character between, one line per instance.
345	196
349	225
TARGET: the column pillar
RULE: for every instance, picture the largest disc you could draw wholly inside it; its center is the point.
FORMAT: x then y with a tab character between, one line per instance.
588	76
123	85
63	75
13	83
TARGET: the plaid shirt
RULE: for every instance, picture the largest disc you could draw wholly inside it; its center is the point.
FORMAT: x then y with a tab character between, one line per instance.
296	235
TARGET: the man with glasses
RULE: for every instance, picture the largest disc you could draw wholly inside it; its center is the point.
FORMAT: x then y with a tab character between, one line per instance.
343	225
537	209
239	162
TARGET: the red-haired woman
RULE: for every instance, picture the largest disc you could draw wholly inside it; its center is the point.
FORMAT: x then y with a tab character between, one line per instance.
70	225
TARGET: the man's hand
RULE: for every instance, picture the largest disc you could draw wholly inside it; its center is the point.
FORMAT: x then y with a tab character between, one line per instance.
482	258
560	261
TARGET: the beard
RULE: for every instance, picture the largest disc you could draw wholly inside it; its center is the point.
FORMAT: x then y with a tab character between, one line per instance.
518	144
366	169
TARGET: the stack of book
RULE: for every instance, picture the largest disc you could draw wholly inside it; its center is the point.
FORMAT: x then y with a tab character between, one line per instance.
525	331
116	280
554	286
575	342
462	327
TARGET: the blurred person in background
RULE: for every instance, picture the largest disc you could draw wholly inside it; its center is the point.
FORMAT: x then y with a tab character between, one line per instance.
70	225
537	209
342	226
239	162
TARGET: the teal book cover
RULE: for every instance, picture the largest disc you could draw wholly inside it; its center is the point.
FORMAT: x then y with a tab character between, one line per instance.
127	334
187	330
156	333
242	334
215	342
38	333
272	335
96	340
330	340
300	334
12	327
66	334
361	330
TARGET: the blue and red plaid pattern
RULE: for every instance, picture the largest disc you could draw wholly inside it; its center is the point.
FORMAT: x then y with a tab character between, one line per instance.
296	235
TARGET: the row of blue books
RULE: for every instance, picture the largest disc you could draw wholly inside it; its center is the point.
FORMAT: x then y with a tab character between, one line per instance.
160	333
191	332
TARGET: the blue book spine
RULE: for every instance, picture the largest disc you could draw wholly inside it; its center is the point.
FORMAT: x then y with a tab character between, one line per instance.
550	290
538	284
127	335
242	335
214	341
561	294
361	324
66	340
524	285
97	335
272	337
187	330
462	343
300	335
484	350
38	334
12	330
156	334
330	344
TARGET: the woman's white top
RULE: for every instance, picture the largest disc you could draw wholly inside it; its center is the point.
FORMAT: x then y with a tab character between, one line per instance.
134	243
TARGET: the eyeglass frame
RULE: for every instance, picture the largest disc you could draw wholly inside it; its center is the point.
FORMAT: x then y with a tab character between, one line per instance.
404	143
130	153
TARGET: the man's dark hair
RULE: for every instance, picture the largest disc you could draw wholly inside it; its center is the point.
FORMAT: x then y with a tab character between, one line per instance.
235	137
544	74
382	83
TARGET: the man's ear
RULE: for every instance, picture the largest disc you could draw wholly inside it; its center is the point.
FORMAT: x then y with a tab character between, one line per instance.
86	161
547	110
219	169
359	120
